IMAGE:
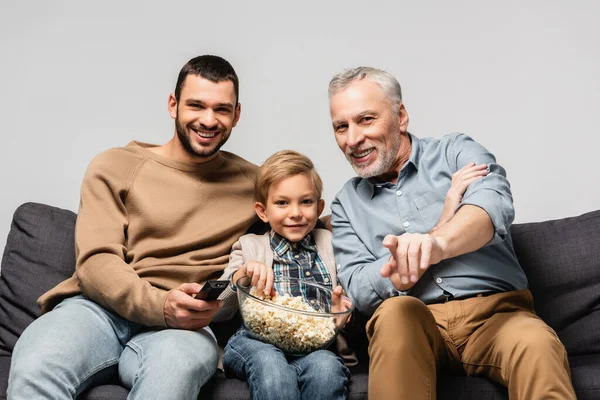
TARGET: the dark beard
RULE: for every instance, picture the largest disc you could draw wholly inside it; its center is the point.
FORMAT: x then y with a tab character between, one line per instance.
185	140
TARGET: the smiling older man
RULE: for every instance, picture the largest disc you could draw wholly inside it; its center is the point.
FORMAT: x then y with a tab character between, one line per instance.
453	298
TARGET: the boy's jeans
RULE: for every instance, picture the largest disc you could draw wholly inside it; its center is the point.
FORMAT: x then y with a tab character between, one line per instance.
79	344
272	374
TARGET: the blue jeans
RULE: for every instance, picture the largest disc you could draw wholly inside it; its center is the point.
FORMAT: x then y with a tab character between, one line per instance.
80	344
271	374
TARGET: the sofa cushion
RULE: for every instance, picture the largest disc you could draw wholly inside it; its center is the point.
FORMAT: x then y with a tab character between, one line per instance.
39	253
585	373
4	368
562	261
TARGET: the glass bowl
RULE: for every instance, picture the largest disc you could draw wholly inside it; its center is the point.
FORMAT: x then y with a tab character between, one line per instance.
299	319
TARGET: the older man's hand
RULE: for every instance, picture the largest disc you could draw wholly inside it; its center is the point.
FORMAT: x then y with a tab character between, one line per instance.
411	255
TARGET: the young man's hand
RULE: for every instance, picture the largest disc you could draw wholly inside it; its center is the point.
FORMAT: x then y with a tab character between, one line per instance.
183	311
262	276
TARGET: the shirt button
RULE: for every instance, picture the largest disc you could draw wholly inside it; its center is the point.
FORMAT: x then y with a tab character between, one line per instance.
326	280
406	224
439	280
307	273
312	302
398	192
296	255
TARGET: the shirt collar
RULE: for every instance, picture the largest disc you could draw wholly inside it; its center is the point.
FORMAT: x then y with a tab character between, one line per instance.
369	187
281	245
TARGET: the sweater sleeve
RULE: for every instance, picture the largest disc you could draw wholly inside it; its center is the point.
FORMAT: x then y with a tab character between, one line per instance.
229	297
100	239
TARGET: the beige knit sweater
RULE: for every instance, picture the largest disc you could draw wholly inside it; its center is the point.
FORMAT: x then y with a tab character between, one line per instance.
147	223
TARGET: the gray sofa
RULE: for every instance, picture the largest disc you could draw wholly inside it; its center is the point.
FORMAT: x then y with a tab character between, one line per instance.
561	259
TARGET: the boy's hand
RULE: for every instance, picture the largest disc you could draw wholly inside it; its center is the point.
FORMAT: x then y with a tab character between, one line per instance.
262	276
339	302
183	311
461	180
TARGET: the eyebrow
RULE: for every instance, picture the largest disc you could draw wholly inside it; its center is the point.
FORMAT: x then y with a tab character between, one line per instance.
363	113
198	101
301	195
355	117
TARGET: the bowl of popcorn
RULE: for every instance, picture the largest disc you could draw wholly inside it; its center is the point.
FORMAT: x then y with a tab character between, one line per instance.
299	318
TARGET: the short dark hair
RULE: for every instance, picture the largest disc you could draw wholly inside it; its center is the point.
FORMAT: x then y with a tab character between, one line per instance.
213	68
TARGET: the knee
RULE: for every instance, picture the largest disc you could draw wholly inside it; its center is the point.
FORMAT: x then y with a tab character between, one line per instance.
538	341
398	325
185	355
32	376
25	367
403	306
399	314
269	363
270	381
325	369
26	360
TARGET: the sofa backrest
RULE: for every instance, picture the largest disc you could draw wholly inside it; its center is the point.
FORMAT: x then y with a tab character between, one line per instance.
561	259
39	253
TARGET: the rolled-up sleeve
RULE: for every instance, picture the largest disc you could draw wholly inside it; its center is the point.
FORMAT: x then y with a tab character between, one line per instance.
358	269
492	192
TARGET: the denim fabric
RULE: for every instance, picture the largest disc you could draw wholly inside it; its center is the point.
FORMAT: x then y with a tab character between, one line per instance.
80	344
272	374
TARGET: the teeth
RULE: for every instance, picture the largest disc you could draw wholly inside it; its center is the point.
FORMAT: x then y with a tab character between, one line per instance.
206	134
362	154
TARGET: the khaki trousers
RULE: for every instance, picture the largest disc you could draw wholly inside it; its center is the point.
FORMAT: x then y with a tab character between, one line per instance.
497	336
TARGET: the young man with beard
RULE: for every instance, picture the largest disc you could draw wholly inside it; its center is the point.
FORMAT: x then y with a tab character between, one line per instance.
441	295
154	223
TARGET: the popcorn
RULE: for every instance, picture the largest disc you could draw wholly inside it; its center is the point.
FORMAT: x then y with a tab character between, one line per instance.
290	331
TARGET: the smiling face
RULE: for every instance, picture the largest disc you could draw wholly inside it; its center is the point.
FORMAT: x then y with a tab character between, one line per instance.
292	207
204	116
368	129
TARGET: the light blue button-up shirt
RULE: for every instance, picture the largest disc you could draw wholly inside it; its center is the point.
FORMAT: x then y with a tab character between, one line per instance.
364	212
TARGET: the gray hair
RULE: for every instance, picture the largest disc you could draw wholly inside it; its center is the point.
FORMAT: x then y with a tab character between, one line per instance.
384	79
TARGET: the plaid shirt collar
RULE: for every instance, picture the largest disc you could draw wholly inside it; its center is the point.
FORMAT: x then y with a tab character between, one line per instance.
281	245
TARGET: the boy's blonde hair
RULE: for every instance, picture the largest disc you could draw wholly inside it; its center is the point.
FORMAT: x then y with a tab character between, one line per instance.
281	165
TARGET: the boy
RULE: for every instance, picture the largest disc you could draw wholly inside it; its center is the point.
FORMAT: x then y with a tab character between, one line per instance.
288	194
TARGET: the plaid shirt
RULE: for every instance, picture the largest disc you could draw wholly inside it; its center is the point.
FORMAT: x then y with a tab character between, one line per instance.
299	260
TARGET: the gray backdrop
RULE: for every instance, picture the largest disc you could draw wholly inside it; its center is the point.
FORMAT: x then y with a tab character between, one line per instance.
521	77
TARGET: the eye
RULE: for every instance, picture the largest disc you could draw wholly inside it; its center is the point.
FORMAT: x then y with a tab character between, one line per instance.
340	128
223	110
307	201
366	120
280	202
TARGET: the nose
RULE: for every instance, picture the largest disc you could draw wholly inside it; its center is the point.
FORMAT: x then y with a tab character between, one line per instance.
355	136
294	211
208	120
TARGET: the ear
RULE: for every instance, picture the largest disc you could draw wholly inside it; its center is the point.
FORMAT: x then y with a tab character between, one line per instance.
172	104
261	211
237	112
403	118
320	207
